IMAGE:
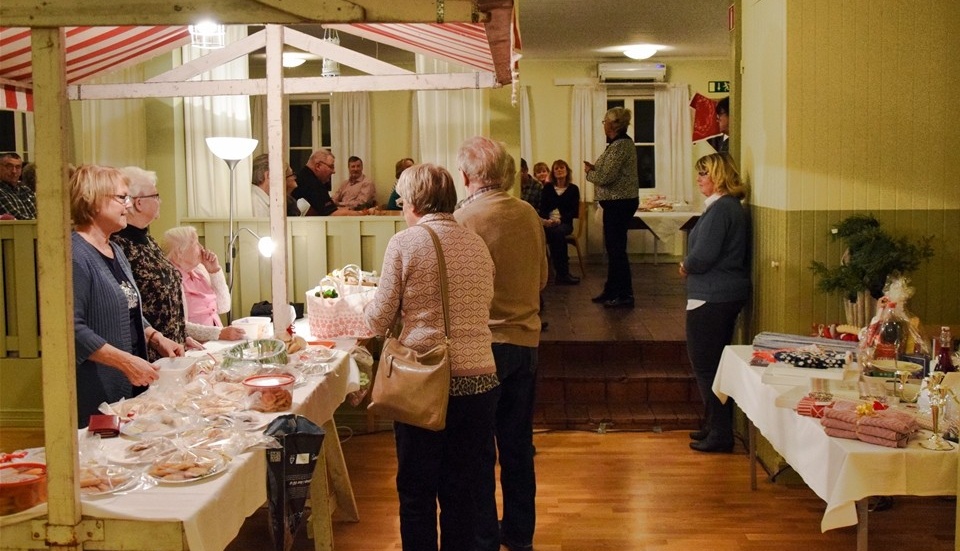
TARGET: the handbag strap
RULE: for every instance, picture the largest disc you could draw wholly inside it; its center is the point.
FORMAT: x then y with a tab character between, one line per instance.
443	281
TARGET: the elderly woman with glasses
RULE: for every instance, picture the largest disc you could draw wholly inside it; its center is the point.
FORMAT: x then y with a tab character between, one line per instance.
111	336
617	189
157	279
717	270
440	468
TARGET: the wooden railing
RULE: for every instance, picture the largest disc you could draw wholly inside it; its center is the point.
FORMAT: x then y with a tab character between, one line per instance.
314	247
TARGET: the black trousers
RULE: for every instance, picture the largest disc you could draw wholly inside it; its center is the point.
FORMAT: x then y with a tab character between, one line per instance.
557	243
444	467
709	329
616	222
517	370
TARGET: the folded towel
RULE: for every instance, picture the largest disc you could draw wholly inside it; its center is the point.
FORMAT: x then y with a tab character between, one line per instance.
879	432
901	443
839	433
891	419
838	424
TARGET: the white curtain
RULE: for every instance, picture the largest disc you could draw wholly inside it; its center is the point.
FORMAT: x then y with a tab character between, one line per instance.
448	118
112	130
586	133
672	131
526	139
208	178
350	130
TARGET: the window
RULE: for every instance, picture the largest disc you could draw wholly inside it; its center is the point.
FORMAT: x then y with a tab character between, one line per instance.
642	130
309	129
16	132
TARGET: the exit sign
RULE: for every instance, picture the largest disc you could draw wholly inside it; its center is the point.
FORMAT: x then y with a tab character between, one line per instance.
718	86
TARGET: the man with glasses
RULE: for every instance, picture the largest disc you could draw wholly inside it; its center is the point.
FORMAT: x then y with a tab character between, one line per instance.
260	192
17	201
313	183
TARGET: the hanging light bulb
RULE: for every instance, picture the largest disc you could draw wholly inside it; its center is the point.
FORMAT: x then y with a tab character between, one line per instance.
330	67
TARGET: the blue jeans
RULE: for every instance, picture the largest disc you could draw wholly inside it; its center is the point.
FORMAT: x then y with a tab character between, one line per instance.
517	370
444	467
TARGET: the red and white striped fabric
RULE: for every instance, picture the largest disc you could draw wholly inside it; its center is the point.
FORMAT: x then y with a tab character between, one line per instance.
462	43
90	51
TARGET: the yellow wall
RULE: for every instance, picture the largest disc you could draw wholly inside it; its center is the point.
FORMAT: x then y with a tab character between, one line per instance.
848	113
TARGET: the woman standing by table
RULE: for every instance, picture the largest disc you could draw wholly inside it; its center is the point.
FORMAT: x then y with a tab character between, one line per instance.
111	336
717	269
442	467
615	175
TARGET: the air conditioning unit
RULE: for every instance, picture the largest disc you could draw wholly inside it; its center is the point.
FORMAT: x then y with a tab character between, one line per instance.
631	72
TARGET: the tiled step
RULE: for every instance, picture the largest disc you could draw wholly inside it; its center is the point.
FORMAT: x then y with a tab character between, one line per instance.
616	385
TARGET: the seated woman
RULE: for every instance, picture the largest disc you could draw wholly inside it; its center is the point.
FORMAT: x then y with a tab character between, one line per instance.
559	206
111	336
402	165
205	292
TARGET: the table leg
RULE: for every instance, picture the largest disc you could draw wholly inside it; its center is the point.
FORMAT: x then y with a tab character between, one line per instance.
655	241
862	524
330	463
752	451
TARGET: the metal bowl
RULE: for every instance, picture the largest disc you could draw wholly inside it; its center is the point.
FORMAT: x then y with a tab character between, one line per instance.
262	351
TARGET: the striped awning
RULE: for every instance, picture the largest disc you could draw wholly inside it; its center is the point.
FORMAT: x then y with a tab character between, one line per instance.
90	51
461	43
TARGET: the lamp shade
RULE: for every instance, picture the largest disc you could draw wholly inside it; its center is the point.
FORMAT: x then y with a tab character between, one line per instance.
232	149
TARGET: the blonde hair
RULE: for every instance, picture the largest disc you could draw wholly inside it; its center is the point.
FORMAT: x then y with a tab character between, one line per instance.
176	240
620	117
723	171
427	188
90	185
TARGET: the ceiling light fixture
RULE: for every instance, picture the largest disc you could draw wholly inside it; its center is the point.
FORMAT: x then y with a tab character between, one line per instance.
208	35
291	59
641	51
330	67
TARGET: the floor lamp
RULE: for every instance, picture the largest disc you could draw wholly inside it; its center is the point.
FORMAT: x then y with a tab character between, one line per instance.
232	150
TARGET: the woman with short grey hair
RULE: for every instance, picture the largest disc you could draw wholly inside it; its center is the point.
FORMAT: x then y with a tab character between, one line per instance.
617	190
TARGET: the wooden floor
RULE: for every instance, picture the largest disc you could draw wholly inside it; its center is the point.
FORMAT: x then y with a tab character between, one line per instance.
638	492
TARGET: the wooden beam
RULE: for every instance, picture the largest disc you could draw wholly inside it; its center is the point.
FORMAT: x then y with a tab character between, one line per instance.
55	278
57	13
301	85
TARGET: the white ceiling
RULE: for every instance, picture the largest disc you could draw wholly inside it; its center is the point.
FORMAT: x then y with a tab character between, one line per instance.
591	29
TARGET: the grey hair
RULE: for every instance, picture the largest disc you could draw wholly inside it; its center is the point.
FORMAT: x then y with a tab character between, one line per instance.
620	117
139	179
176	240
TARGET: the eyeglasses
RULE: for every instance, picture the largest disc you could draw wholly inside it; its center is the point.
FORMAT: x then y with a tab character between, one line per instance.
703	173
328	165
123	200
154	196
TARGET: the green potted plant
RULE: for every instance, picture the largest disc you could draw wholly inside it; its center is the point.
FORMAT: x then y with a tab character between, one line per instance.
871	256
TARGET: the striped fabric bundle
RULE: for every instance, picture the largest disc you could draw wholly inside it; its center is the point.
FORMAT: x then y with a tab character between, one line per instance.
891	428
779	341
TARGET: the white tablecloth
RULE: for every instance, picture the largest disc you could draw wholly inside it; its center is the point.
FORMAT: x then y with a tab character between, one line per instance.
213	510
664	225
838	470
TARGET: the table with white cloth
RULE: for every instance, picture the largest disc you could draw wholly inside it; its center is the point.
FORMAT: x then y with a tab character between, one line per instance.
206	515
663	224
842	472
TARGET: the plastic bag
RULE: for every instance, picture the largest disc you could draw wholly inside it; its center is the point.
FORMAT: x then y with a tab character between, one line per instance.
289	471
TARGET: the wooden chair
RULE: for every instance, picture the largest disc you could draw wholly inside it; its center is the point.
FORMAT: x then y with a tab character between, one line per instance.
574	238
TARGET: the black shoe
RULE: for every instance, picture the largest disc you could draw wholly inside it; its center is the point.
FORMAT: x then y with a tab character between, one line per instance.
620	302
515	547
699	435
566	280
712	446
601	298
